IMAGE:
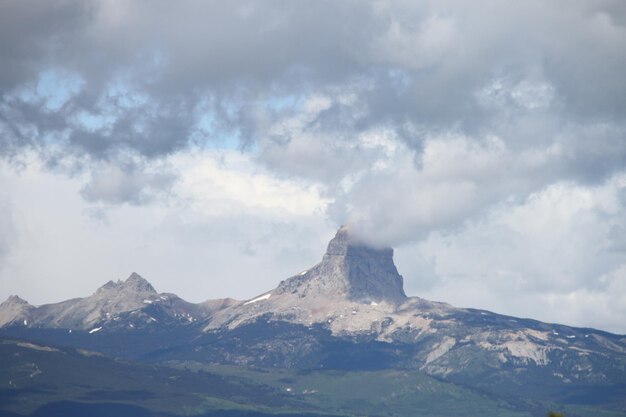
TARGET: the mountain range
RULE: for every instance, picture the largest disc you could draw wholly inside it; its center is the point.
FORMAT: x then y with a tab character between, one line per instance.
349	312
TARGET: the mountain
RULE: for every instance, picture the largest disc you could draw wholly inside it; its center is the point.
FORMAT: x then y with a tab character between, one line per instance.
355	292
116	305
348	313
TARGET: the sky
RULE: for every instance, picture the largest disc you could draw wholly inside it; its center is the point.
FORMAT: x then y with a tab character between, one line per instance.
215	147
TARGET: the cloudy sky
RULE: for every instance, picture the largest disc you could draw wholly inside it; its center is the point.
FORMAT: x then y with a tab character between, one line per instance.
215	147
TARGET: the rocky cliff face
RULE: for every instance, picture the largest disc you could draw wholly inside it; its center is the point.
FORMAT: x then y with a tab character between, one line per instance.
352	271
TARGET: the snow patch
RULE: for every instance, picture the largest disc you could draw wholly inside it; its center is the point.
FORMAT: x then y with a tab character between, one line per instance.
147	301
260	298
303	272
97	329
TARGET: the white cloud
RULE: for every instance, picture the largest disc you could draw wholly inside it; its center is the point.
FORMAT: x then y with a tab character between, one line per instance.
226	228
550	257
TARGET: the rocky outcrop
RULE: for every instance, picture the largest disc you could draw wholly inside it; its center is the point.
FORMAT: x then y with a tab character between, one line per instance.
352	271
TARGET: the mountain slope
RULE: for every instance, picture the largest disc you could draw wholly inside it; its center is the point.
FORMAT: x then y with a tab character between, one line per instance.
43	380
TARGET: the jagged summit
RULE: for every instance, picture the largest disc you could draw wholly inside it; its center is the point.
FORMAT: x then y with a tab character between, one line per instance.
138	283
122	304
135	283
14	300
352	270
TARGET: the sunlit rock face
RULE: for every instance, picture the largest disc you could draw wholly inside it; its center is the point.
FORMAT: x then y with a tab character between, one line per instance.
350	270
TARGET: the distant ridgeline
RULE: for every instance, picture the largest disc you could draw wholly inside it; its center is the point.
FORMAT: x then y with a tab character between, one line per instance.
345	319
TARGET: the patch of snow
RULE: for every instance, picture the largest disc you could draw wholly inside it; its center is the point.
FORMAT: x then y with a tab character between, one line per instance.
260	298
373	303
163	298
25	322
288	389
69	331
97	329
571	337
147	301
303	272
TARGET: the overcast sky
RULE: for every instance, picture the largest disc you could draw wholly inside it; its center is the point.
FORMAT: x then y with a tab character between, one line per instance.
215	147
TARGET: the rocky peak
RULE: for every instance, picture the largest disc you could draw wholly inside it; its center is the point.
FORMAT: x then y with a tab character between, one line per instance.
15	300
351	269
15	310
347	245
137	283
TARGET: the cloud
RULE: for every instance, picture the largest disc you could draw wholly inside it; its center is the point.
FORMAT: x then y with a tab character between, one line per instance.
127	182
153	71
226	229
553	254
411	121
7	230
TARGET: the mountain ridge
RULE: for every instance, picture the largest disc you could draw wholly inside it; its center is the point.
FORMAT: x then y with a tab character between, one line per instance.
108	305
349	311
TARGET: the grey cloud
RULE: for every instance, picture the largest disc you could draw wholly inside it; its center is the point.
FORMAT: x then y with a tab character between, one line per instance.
8	233
129	182
440	54
542	77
